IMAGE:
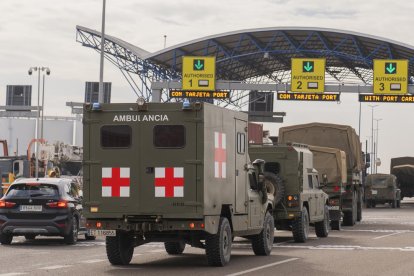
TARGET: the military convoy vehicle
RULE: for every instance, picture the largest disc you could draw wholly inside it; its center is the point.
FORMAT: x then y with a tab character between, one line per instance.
331	166
340	137
177	173
403	169
302	200
381	189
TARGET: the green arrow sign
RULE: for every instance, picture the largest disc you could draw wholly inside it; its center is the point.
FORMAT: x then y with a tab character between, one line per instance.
390	68
308	66
198	64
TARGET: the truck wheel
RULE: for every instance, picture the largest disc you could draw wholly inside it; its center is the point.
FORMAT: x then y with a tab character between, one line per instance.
322	227
351	216
300	226
336	225
274	185
263	243
399	203
72	237
359	211
218	246
394	204
119	249
6	238
174	248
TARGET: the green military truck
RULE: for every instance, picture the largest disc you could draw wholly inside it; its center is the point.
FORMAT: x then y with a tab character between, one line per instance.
177	173
403	169
382	188
331	166
341	137
303	202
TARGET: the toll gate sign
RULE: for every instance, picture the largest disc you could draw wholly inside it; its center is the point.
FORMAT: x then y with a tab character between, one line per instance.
308	75
199	73
390	76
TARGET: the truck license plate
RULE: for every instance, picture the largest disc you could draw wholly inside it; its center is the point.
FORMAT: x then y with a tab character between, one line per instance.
374	192
101	232
31	208
333	207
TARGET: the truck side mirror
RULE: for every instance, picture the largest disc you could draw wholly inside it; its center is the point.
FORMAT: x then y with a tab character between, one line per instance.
253	181
259	165
324	179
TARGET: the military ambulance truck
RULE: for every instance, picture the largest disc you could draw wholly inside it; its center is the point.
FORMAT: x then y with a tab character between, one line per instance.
302	201
341	137
177	173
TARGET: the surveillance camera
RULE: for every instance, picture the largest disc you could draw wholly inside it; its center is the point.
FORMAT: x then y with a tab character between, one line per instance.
30	71
47	71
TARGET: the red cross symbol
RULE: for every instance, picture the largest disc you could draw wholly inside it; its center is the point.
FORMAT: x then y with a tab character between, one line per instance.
169	182
220	154
115	182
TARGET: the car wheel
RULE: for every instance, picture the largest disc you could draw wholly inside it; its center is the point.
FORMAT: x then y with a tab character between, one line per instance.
120	249
263	243
218	246
322	227
89	238
30	237
174	248
300	226
6	238
72	237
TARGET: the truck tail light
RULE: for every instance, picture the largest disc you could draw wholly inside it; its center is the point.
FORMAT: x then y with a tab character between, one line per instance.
336	188
6	204
292	200
58	204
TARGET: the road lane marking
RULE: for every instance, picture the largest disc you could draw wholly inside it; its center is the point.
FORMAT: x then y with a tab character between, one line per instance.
13	274
55	267
156	251
380	231
262	267
347	247
388	235
92	261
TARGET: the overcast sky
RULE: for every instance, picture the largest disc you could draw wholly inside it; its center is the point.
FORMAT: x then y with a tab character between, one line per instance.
42	33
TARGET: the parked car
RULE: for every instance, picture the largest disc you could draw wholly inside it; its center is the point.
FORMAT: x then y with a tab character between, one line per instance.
44	206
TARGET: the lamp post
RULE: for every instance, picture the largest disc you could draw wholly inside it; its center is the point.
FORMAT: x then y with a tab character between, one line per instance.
101	70
372	135
38	69
43	100
376	144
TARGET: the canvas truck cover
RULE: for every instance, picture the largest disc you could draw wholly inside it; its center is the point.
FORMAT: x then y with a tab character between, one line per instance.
380	179
407	160
342	137
331	162
404	174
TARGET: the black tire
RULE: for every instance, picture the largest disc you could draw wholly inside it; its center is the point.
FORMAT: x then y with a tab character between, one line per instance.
218	246
322	227
72	237
336	225
274	184
300	226
394	204
359	210
6	239
30	237
398	203
120	249
262	243
174	248
351	216
89	238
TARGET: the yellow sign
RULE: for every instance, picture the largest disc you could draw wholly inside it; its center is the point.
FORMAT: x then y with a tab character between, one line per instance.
386	98
199	73
312	97
390	76
200	94
308	75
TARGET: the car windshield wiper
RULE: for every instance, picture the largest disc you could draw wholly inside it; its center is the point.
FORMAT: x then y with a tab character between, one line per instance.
36	195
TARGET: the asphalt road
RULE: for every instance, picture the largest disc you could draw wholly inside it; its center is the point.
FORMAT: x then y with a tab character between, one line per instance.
382	244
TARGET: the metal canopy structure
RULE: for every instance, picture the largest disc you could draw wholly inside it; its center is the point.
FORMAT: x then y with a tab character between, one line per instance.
254	56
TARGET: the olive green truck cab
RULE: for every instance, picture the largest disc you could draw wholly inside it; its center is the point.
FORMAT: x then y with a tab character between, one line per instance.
303	201
177	173
381	189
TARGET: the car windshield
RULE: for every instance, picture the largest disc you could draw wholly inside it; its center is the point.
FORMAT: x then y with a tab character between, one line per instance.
26	190
380	182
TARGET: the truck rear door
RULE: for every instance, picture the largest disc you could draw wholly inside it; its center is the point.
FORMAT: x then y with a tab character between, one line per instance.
141	164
